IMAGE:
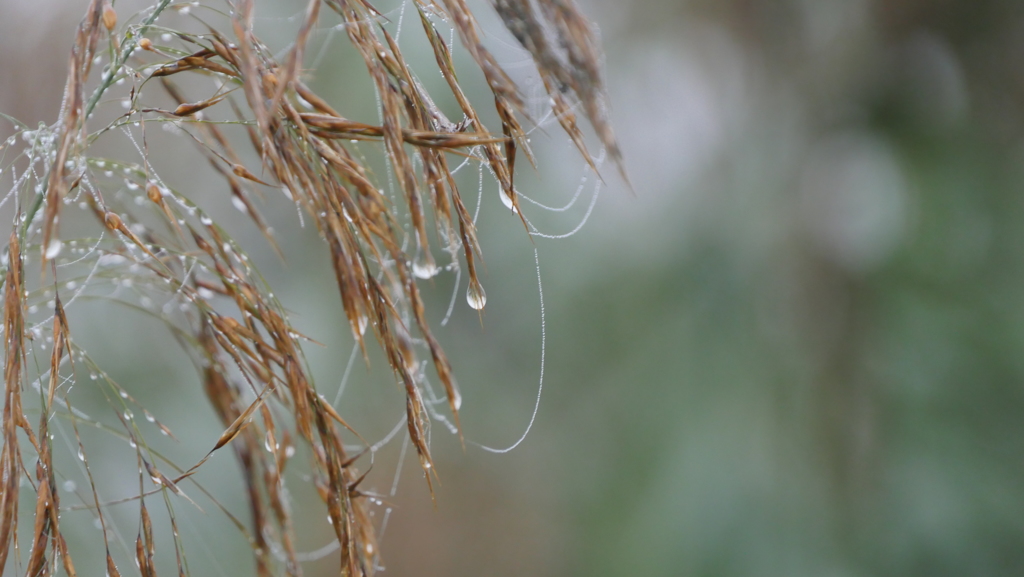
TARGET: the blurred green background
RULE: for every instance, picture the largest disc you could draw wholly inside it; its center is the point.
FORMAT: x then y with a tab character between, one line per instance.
795	350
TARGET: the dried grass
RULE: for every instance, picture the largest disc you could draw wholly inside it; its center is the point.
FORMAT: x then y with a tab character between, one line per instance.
253	369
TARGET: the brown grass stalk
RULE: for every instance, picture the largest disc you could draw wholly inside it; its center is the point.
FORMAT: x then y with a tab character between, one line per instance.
252	367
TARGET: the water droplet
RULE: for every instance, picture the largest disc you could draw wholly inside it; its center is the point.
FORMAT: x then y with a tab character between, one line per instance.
81	455
71	285
425	267
131	442
239	204
268	443
205	220
506	200
70	486
289	451
124	394
53	249
150	417
475	295
101	163
166	37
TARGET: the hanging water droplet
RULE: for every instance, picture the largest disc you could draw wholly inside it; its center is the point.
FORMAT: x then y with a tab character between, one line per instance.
475	295
131	442
124	394
150	417
289	451
81	454
207	221
424	267
53	249
506	200
457	400
239	204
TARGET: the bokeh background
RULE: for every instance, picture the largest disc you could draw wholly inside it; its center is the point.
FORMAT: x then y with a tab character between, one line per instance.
794	350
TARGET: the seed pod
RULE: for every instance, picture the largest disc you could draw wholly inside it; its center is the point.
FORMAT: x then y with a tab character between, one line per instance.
109	16
146	44
112	221
154	194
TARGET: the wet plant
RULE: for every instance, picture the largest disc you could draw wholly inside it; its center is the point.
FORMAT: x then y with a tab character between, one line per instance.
146	234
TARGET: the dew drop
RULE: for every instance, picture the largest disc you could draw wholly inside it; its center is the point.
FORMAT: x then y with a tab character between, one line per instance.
81	455
124	394
53	249
289	451
475	295
363	322
70	486
457	401
166	37
239	204
131	442
506	200
207	221
425	267
150	417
